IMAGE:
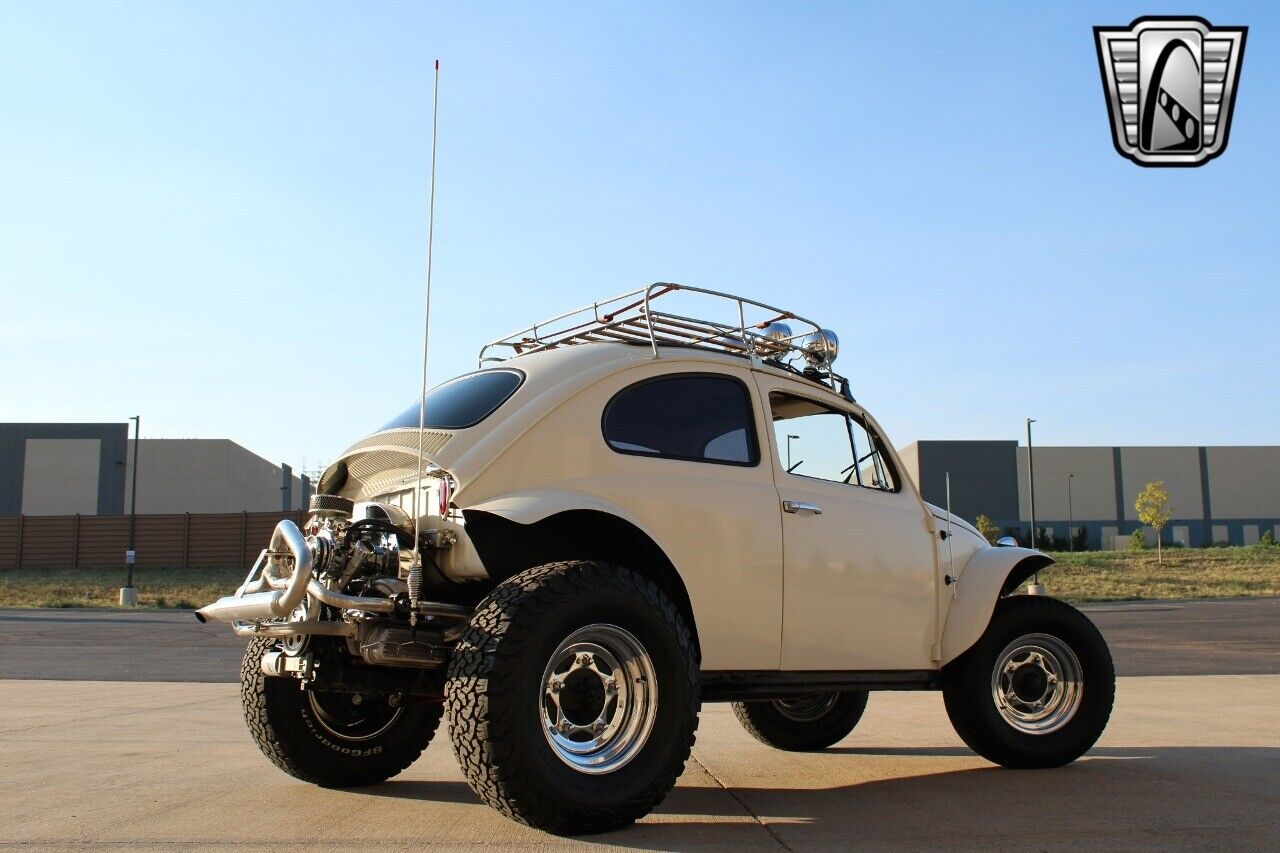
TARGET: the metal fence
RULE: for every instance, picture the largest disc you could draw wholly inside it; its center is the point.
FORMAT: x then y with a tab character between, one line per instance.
205	540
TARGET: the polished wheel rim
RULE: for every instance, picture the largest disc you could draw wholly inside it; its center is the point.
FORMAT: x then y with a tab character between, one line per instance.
353	716
1037	684
599	699
807	708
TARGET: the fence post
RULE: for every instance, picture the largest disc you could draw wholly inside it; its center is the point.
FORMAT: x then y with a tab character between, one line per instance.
22	522
244	535
75	545
186	540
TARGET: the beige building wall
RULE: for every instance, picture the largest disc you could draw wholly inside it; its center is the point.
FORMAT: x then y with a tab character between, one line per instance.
205	475
1178	467
60	476
910	456
1093	491
1244	482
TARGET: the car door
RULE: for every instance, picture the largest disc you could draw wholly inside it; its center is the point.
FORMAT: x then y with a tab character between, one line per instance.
859	572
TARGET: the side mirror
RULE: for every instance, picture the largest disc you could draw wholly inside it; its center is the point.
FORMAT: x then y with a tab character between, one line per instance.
1006	542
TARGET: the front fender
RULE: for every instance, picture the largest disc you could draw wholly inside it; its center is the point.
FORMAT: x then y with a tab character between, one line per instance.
989	574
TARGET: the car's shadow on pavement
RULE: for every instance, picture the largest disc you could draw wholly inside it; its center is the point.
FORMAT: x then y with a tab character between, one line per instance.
1116	796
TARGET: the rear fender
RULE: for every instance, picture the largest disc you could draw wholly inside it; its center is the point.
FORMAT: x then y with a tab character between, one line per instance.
990	573
533	505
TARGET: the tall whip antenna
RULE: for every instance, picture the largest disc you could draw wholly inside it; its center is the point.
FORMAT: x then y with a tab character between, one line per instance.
415	572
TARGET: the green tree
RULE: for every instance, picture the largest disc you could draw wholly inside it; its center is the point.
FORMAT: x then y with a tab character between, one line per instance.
1268	539
1154	510
1136	541
988	529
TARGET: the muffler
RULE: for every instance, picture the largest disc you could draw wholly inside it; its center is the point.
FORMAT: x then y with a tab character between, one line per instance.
273	603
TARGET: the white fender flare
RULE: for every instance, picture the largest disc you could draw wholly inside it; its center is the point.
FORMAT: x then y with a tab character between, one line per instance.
533	505
990	573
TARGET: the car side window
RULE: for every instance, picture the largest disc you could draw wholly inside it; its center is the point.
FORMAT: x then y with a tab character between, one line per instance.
695	417
817	441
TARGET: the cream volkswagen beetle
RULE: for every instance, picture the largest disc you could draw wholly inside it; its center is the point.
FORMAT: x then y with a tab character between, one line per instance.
630	510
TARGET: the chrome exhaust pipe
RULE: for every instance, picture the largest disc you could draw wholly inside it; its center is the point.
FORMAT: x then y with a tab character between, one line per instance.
272	604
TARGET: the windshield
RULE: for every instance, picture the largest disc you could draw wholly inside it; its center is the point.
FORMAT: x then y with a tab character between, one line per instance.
462	402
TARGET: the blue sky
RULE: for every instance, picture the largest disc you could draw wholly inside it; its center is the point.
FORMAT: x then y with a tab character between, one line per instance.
214	215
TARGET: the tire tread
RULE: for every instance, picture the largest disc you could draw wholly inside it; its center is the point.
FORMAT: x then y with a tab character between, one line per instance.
506	620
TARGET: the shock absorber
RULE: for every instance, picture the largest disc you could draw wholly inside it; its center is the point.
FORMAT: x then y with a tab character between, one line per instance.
415	585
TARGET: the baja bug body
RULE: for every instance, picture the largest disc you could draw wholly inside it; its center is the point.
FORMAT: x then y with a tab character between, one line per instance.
627	511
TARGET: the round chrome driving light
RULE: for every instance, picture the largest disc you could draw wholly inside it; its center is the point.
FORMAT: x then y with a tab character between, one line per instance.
821	348
775	331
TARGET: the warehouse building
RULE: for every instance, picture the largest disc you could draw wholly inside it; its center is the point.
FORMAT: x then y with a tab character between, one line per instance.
86	469
1225	495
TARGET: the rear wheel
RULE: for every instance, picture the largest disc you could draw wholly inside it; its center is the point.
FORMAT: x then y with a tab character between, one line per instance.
1036	690
331	738
803	723
573	697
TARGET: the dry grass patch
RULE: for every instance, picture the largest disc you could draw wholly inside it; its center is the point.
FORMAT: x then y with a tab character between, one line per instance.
1089	576
1185	573
176	588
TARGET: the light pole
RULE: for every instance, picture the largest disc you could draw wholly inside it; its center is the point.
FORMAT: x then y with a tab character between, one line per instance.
1035	588
789	437
129	595
1071	519
1031	480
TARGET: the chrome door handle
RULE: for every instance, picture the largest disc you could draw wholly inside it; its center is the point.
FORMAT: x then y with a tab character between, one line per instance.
801	507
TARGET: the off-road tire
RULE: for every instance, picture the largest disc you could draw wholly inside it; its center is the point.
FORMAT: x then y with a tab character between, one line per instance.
771	725
494	693
284	724
968	692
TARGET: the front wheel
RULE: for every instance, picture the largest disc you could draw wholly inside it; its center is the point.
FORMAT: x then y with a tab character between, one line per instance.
1036	690
803	723
573	697
330	738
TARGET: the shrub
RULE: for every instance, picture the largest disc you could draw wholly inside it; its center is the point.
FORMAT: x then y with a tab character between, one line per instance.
1136	541
1268	539
987	528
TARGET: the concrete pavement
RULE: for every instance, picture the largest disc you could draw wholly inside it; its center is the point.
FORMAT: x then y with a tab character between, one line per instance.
1186	762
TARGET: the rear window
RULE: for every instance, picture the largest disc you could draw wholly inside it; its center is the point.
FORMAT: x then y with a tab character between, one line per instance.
462	402
693	417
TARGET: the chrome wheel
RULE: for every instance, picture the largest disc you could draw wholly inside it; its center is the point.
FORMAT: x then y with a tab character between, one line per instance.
1037	684
599	699
807	708
353	716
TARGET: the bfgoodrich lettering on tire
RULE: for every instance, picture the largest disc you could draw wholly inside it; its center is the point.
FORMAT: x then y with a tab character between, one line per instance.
1036	690
572	697
330	738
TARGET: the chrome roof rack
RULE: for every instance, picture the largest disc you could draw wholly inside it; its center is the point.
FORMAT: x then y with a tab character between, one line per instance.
742	327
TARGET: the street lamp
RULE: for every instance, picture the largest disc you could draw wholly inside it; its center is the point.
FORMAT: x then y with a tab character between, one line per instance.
1035	588
1071	519
129	594
1031	481
789	437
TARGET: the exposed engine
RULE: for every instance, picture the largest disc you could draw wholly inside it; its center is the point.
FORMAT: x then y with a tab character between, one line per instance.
344	595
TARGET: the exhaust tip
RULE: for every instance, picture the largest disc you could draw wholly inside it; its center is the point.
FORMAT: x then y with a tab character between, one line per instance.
199	616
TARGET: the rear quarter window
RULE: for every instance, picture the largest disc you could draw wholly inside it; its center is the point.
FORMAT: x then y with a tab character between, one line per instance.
691	417
462	402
